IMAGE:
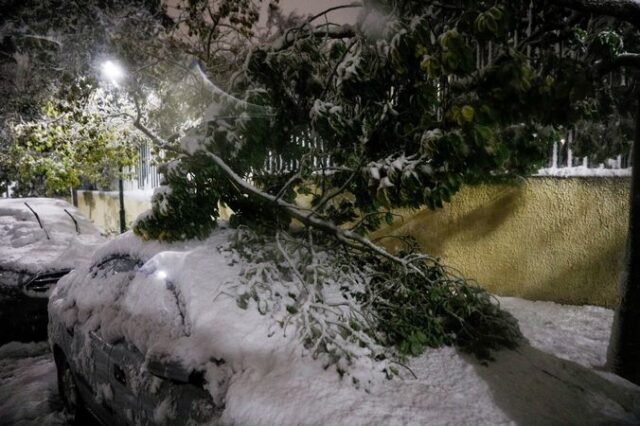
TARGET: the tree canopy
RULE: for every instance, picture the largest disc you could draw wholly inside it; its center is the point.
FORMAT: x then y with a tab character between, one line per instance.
403	107
52	54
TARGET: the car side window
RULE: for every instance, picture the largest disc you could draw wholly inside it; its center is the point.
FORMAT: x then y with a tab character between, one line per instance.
115	265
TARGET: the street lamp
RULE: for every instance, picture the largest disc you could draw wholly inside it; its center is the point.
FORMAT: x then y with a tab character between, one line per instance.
113	72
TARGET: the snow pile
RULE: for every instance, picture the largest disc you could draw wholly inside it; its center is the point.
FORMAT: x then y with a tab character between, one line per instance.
25	246
576	333
527	386
181	304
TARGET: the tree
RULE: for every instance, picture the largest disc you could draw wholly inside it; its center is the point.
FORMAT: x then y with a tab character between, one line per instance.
75	140
56	129
624	347
47	47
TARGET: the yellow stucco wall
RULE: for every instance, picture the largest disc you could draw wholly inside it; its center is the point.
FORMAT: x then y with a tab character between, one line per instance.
545	239
103	207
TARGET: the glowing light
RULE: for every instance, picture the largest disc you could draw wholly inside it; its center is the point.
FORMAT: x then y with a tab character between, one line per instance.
112	72
161	274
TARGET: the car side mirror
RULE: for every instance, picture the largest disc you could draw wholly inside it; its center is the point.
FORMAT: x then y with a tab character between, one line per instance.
174	371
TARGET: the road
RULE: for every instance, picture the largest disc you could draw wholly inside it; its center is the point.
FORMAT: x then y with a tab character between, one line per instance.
28	386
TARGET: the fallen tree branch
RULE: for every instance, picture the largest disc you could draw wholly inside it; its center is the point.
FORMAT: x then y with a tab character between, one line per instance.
343	31
623	60
350	238
626	10
331	9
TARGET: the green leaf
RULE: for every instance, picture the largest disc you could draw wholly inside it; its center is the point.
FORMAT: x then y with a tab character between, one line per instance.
388	218
468	113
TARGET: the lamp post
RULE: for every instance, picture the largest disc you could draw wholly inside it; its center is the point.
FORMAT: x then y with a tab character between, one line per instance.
114	73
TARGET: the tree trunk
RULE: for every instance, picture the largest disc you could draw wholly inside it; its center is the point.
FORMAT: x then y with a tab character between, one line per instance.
624	346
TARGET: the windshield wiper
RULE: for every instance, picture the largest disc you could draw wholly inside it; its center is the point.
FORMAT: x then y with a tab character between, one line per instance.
38	219
75	222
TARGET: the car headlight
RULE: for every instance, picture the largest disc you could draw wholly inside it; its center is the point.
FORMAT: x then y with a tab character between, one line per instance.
14	279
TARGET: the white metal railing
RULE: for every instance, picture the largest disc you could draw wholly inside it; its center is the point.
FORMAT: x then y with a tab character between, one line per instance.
145	175
564	163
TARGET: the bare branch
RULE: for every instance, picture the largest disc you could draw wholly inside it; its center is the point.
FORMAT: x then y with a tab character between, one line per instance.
331	9
627	60
631	60
286	186
329	196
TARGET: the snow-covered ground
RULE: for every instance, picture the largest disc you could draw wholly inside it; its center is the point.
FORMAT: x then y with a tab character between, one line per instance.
548	382
28	386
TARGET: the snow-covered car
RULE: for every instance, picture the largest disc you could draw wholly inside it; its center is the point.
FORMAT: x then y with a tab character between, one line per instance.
41	240
156	333
115	326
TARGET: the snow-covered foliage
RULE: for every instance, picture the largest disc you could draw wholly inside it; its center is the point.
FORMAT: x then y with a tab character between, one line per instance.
83	133
349	307
316	293
399	110
57	245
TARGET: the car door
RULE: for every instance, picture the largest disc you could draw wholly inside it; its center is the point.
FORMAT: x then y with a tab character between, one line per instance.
100	373
112	371
171	394
125	376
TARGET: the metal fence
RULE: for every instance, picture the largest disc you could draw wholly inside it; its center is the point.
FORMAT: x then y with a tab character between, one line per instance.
145	175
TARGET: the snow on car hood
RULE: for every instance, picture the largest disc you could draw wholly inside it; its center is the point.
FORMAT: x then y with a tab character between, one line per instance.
180	305
24	245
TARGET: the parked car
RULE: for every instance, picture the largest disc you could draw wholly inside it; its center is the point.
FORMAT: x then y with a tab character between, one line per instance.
41	240
151	332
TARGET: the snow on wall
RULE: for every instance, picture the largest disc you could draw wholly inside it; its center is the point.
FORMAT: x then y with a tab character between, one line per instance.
582	171
610	168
